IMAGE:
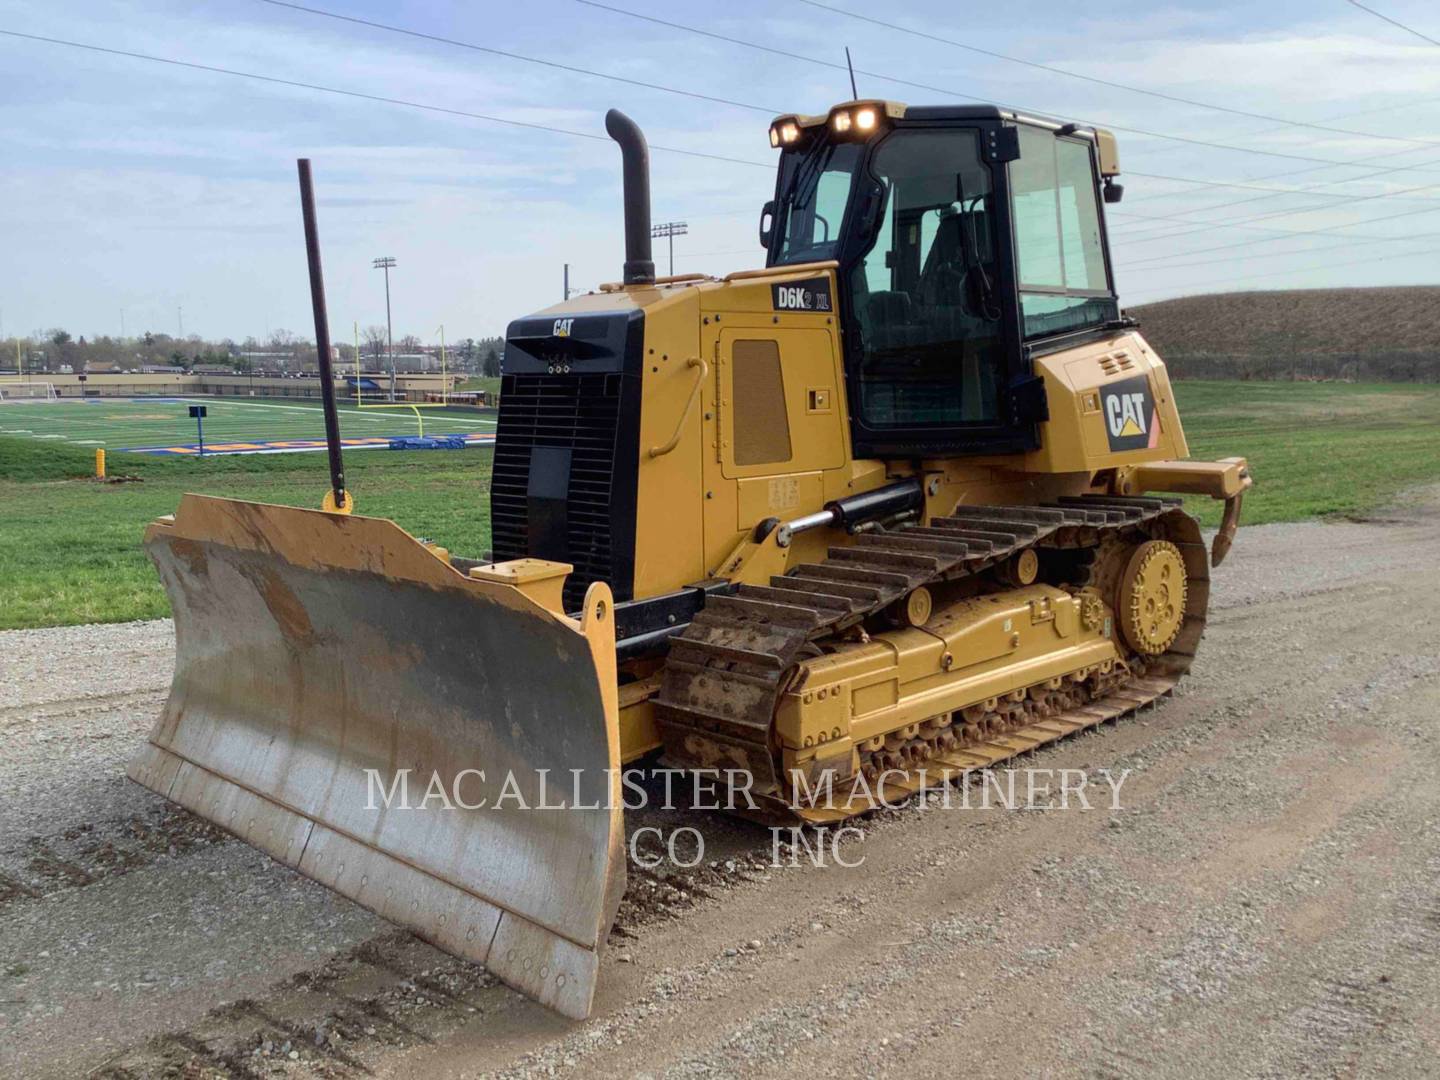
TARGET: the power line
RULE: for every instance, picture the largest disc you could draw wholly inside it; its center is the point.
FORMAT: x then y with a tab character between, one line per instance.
679	91
578	70
1231	279
729	101
1107	82
1396	22
1424	166
1141	90
1345	241
1205	225
1290	213
1316	168
939	89
1229	225
370	97
1325	163
1241	185
1388	110
1312	232
1246	186
603	75
518	56
588	135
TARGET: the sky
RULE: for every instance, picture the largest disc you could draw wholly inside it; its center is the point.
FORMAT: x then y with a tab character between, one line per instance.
144	196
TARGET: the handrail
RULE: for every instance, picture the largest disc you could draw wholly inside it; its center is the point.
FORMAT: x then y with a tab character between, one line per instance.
777	271
736	275
674	441
673	279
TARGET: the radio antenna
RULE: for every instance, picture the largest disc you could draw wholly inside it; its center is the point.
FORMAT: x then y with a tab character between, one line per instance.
854	94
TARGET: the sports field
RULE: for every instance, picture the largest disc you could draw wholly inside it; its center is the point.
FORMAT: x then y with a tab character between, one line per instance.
163	424
70	548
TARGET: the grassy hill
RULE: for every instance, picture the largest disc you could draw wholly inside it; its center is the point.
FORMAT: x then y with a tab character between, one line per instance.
1369	335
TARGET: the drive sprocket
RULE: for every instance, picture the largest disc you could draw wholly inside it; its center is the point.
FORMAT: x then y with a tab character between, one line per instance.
1151	597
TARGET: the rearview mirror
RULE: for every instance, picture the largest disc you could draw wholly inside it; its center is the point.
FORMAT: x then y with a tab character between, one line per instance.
767	223
1113	192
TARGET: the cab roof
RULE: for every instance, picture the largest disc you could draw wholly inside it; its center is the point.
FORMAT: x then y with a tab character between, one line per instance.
898	110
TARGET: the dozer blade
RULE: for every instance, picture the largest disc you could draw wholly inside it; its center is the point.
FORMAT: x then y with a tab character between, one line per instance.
319	656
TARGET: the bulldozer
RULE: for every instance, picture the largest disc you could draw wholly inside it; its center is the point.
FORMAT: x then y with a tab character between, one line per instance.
903	503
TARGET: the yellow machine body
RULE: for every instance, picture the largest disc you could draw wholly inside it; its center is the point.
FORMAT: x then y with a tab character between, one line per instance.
727	442
768	434
780	603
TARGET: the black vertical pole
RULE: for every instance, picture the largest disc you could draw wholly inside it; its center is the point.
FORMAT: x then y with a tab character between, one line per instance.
389	332
322	333
200	432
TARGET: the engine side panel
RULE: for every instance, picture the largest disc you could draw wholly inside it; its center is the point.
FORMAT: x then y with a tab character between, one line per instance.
1110	405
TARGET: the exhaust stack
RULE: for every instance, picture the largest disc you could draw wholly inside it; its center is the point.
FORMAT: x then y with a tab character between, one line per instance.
635	154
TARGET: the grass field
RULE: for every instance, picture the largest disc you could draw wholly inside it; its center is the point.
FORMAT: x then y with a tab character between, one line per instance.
69	547
128	423
1316	449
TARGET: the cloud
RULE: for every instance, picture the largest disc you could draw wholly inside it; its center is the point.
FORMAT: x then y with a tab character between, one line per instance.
140	185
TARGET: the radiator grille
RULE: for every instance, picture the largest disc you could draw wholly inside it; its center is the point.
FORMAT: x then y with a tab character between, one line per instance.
581	412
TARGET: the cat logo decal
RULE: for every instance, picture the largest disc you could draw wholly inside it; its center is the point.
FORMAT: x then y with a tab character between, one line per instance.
1128	408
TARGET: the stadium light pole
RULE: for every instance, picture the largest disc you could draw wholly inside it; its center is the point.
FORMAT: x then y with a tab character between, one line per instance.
670	229
387	263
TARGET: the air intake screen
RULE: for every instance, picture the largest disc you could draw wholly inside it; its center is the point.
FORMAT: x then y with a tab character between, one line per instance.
558	413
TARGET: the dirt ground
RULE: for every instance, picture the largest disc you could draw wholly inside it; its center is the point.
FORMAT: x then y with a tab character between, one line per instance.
1266	902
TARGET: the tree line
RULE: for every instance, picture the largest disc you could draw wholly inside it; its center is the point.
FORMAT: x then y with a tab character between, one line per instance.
57	351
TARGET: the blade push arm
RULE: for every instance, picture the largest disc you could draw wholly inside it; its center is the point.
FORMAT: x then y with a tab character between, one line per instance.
1228	479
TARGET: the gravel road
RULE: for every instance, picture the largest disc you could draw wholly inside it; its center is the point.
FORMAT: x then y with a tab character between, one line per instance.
1266	901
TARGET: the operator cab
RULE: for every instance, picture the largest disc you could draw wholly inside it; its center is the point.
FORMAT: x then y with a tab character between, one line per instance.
967	238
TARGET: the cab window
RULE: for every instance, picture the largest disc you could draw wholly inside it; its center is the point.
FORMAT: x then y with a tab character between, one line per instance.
924	295
815	207
1060	258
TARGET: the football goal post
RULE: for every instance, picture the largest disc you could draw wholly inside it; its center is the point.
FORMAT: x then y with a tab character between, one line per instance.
28	391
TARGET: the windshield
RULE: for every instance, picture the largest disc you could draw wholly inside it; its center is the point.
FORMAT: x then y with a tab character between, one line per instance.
815	187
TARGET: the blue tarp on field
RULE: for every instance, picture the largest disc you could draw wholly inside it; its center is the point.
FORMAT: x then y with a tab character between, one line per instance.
417	442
